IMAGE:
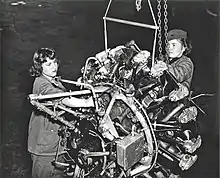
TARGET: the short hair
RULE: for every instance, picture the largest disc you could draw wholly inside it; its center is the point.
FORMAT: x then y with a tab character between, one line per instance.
39	57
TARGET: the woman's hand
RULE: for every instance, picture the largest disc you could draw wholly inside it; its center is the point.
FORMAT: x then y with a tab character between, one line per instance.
78	102
179	94
158	69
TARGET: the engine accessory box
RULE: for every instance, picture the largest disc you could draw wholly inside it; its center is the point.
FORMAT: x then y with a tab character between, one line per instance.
130	150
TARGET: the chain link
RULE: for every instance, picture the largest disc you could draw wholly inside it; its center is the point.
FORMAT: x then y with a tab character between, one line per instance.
138	5
159	29
165	14
165	25
165	21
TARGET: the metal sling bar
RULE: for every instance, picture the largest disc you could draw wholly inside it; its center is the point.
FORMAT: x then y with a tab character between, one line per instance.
105	35
106	12
155	27
154	47
105	26
155	33
152	13
130	23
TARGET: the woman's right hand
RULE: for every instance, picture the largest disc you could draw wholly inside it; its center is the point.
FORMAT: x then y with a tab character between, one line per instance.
158	69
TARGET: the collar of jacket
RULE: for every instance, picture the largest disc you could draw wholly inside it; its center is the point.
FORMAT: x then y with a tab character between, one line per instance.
55	81
174	59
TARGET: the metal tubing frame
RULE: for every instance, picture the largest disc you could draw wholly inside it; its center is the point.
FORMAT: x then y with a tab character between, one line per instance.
53	114
154	27
86	65
58	95
93	91
86	85
64	94
34	100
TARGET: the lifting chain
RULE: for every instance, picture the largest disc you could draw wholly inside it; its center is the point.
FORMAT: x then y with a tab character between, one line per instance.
138	5
160	28
165	25
159	25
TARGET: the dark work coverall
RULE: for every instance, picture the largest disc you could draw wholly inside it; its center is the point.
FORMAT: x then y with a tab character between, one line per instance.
182	69
43	133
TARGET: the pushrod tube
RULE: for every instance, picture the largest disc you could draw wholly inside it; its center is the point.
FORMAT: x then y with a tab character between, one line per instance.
173	112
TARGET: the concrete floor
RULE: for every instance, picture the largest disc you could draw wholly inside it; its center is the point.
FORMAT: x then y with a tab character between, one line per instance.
75	30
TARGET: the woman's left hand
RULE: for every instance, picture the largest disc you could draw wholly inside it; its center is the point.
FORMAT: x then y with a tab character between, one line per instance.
179	94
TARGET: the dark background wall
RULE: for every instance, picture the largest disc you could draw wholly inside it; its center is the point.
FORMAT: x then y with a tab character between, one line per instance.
75	30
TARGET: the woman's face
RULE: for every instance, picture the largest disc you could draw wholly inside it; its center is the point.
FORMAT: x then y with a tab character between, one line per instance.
175	48
50	67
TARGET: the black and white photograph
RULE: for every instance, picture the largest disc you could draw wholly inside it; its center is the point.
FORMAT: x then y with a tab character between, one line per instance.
109	88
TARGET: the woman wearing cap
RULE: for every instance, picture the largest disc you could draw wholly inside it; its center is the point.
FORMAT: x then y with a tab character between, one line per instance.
177	64
43	132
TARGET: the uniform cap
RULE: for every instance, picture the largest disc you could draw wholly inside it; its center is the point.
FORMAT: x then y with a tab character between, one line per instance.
176	34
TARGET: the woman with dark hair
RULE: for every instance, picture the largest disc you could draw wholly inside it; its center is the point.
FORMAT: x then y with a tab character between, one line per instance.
43	131
177	63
